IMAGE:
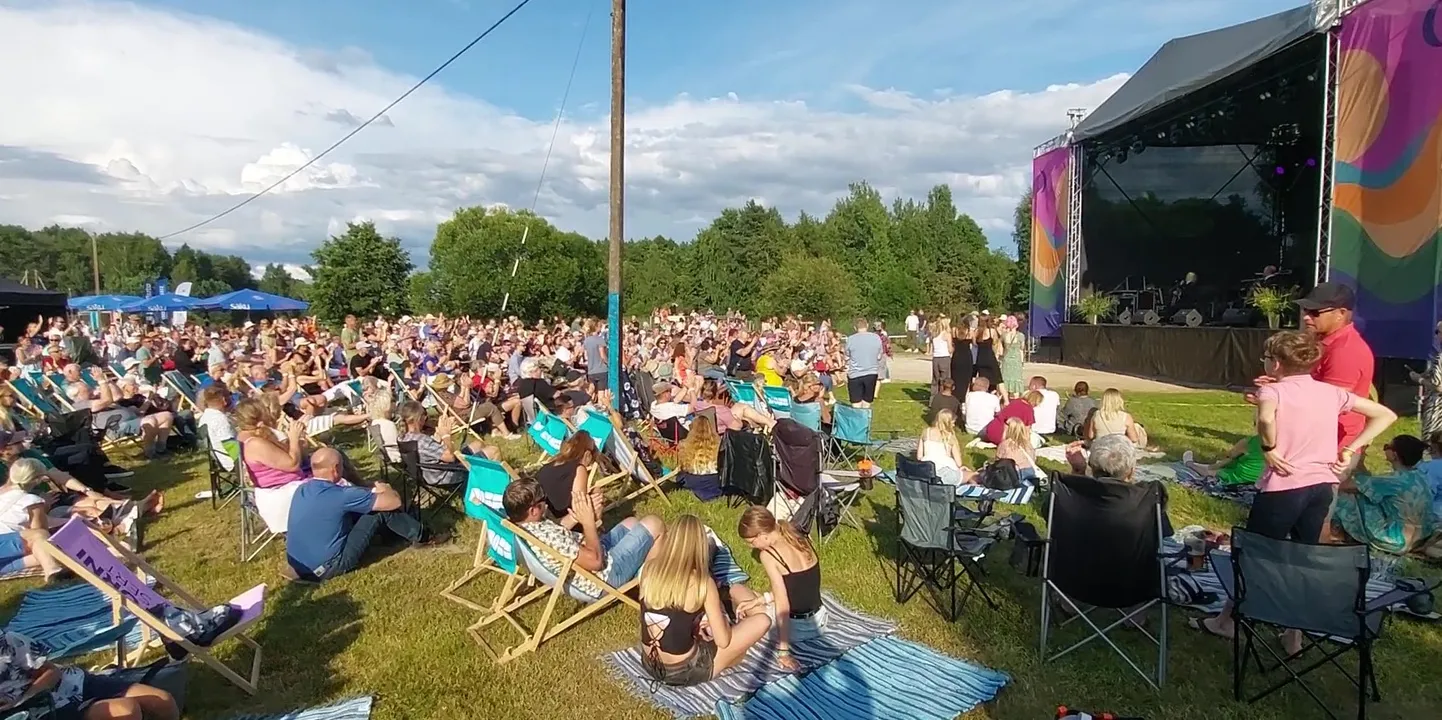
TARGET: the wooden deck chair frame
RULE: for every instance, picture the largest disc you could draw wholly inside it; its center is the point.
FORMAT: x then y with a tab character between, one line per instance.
121	604
629	462
548	626
463	425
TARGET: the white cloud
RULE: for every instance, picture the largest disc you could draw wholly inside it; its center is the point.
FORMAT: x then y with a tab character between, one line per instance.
129	118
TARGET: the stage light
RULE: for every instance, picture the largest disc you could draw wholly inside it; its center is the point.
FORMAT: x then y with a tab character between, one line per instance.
1311	162
1311	77
1281	170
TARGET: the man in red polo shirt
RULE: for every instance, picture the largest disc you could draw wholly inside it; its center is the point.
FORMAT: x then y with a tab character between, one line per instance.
1347	360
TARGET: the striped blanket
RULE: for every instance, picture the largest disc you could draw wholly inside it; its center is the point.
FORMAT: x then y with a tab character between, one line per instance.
885	678
70	621
845	629
352	709
1019	496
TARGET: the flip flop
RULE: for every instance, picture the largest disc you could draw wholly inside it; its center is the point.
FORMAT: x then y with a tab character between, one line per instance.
1197	624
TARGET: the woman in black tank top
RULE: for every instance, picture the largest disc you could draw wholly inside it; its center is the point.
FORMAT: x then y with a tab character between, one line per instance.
686	637
795	573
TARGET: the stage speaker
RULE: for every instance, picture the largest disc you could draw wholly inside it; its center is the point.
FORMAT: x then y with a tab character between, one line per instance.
1125	317
1236	317
1151	317
1190	318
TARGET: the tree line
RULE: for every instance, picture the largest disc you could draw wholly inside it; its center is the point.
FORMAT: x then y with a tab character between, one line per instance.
59	258
866	256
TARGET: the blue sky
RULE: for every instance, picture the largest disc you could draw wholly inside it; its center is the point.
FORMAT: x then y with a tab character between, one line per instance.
199	101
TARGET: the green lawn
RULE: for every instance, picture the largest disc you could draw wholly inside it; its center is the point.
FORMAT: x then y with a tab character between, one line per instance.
385	631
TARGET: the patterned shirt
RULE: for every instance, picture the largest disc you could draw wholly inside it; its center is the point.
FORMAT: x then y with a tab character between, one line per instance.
566	543
432	453
19	659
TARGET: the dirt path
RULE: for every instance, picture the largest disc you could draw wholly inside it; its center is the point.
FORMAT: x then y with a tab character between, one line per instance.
915	368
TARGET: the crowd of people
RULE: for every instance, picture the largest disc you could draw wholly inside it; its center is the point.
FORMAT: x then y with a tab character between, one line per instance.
268	394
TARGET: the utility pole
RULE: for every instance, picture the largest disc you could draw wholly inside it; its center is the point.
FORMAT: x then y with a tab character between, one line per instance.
618	199
95	262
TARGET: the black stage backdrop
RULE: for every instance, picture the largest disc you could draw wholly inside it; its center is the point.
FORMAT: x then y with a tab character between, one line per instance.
1208	356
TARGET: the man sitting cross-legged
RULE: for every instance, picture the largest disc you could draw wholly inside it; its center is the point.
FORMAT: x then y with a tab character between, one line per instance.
332	524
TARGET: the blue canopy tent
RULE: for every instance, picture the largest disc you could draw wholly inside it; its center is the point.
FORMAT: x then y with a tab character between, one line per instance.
252	300
102	303
167	303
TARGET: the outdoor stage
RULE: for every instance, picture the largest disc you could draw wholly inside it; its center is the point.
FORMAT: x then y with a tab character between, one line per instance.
1256	160
1205	356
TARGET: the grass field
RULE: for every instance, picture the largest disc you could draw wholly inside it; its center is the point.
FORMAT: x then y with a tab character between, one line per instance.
384	630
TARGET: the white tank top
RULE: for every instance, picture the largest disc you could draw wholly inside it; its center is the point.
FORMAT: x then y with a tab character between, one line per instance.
935	451
940	346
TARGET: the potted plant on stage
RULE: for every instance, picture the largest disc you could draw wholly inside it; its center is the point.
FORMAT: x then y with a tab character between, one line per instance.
1096	306
1271	302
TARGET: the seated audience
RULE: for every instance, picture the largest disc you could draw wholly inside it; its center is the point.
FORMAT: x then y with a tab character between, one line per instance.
1077	409
120	421
1022	408
615	557
1016	446
1392	513
1047	409
939	446
214	420
568	474
686	636
980	406
439	447
74	693
1112	457
794	570
1242	465
71	496
1111	418
697	459
945	399
272	458
24	521
335	522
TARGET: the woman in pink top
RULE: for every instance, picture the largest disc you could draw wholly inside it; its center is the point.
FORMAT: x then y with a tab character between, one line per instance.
269	463
1297	424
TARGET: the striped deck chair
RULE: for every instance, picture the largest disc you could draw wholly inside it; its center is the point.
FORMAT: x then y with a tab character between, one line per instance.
529	550
102	562
76	620
185	388
463	424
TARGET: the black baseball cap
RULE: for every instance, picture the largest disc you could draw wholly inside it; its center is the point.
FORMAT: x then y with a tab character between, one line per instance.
1329	296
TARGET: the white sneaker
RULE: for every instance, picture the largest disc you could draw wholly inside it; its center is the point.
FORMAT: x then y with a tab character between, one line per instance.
1187	456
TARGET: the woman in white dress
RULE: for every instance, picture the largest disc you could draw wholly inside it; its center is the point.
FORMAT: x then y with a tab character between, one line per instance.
938	445
940	331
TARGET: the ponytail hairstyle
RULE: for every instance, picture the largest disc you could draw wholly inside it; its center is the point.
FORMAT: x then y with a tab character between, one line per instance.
757	521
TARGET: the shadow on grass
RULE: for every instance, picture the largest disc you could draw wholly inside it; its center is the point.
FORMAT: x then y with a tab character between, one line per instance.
1230	438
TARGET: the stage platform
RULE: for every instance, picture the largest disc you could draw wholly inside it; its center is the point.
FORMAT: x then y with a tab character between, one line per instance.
1197	356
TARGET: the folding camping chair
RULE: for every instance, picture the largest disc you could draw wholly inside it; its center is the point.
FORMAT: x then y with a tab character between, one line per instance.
808	414
747	467
936	547
799	491
102	562
224	484
851	438
1104	551
778	400
441	495
1319	589
264	512
388	456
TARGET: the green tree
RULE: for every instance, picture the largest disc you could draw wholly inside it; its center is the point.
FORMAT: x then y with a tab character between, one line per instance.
657	272
732	255
811	287
276	280
1021	237
359	272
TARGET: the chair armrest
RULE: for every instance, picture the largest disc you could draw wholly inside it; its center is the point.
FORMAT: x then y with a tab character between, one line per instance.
451	467
1398	595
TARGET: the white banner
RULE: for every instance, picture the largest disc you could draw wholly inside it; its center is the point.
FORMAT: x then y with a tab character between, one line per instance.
177	319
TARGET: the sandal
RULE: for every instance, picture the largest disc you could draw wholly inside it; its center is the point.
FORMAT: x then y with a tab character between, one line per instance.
1201	625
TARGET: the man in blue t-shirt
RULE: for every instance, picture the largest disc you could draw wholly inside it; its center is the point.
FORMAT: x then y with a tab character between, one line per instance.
863	363
332	525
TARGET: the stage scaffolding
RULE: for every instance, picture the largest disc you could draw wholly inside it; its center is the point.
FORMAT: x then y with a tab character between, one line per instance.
1326	157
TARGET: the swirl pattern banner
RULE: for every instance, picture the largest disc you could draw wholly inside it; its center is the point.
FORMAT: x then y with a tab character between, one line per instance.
1050	212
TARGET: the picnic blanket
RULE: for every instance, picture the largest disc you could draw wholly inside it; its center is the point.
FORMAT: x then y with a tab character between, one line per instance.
1057	454
845	629
885	678
352	709
70	621
1180	474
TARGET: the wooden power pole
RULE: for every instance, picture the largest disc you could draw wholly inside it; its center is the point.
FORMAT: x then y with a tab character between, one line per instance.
618	199
95	262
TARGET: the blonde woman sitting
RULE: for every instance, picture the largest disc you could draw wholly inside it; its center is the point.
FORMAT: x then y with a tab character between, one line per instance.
794	570
379	405
24	522
938	446
1016	446
698	459
686	637
1111	418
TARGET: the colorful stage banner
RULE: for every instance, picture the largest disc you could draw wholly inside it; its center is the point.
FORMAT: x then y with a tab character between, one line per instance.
1387	209
1050	213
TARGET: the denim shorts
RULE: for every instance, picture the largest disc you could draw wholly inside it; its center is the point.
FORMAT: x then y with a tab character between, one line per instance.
94	689
724	568
626	549
12	553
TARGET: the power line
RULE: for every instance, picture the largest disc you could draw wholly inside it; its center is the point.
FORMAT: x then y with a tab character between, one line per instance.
545	164
358	128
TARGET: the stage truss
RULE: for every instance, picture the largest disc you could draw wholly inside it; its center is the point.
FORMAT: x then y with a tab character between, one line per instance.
1327	156
1074	227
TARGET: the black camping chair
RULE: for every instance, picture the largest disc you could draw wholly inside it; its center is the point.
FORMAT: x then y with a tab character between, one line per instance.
798	474
936	546
224	484
383	455
1319	589
747	468
1104	552
441	496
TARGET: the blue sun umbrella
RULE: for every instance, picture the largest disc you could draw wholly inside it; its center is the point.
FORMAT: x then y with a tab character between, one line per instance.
168	302
253	300
101	303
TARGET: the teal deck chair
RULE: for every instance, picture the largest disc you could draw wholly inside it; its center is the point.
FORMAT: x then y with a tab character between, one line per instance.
598	426
808	414
34	399
778	399
548	431
742	392
186	388
486	483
